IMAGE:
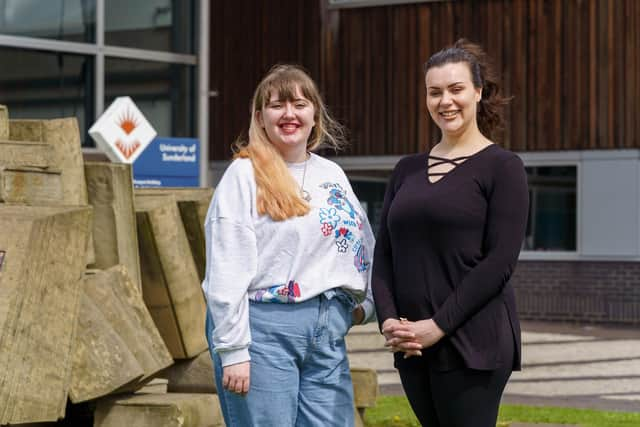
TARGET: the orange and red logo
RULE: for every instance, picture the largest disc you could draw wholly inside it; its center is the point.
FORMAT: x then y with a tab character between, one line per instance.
128	123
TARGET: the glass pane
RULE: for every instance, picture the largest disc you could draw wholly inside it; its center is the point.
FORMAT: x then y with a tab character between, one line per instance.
163	92
45	85
70	20
165	25
370	187
552	209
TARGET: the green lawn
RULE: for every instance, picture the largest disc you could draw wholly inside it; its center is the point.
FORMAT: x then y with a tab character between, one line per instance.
394	411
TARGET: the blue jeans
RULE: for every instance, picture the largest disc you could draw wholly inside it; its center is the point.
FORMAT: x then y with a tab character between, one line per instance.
299	368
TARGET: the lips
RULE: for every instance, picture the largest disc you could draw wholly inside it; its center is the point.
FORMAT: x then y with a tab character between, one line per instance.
449	114
289	128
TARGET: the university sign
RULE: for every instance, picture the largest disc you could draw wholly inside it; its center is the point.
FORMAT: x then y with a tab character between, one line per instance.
126	136
122	132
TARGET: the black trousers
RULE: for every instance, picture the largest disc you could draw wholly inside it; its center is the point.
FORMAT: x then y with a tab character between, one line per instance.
455	398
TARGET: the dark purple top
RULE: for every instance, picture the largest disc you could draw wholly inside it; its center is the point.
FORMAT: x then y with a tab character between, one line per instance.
446	251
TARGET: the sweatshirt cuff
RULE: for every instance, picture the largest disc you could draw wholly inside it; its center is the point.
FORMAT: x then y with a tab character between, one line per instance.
369	311
233	357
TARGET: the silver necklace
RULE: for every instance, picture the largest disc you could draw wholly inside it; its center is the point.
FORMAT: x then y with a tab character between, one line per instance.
304	193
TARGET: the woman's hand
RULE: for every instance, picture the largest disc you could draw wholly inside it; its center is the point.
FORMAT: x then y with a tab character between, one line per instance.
400	338
357	315
235	378
411	337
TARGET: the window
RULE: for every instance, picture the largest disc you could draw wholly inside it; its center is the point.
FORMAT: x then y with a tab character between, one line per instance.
370	186
165	25
68	20
552	221
43	85
163	92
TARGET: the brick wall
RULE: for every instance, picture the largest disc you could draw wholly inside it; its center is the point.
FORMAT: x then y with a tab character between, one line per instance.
581	291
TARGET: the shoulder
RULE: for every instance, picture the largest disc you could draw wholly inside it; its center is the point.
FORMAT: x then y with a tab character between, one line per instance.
239	171
498	156
325	164
409	165
237	177
495	162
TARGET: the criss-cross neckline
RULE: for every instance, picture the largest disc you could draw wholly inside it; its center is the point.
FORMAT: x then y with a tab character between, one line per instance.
455	161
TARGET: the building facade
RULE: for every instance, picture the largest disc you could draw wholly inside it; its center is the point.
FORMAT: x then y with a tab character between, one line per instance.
573	70
571	66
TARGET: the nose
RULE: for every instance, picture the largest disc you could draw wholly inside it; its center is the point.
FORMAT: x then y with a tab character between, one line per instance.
288	109
446	98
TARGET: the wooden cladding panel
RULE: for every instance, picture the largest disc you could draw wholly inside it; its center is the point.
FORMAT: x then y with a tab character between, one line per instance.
247	38
572	68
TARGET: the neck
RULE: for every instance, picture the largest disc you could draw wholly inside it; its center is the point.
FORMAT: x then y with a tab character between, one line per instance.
295	155
468	137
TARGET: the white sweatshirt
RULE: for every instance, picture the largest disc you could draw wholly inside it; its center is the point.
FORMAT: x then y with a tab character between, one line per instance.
250	256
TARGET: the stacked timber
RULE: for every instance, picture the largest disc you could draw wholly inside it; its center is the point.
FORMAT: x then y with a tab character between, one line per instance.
31	186
160	410
193	204
63	135
118	344
41	270
170	282
27	175
195	375
110	189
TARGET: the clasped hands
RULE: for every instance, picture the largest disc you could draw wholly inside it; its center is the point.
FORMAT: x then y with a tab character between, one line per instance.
410	337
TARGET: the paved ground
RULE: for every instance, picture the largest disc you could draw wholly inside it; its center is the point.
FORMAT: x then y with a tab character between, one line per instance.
563	365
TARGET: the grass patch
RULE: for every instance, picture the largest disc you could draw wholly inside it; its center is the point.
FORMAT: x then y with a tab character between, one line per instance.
394	411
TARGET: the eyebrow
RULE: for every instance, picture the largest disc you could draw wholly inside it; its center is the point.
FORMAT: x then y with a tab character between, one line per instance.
288	99
452	84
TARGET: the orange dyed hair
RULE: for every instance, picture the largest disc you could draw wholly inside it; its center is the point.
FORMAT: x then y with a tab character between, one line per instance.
278	193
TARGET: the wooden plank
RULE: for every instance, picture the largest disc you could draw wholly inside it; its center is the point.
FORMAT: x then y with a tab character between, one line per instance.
365	387
4	122
110	191
31	186
26	154
160	410
40	288
118	342
194	375
193	204
64	137
170	283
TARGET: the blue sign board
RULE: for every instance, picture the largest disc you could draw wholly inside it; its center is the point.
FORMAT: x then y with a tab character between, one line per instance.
168	162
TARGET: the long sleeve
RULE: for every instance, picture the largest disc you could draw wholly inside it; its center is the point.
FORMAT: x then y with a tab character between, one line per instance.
506	221
232	260
368	304
382	274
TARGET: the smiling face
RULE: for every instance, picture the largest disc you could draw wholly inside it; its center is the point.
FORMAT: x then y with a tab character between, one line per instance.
451	98
288	123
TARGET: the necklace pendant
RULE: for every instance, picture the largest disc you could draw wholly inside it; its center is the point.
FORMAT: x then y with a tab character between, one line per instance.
305	195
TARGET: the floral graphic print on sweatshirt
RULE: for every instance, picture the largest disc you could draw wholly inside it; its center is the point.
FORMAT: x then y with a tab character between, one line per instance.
285	293
340	220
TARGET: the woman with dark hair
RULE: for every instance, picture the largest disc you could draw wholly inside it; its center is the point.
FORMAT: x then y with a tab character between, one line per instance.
288	262
452	226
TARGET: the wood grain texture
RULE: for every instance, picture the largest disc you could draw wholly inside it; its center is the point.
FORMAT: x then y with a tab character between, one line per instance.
572	67
118	343
40	289
110	193
170	283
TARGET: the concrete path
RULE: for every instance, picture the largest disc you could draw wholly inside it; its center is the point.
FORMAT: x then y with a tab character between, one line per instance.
573	366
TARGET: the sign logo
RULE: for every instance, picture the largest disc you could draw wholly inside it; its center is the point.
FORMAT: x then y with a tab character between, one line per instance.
122	132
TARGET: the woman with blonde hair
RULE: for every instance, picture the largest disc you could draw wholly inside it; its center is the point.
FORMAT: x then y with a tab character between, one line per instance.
288	262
